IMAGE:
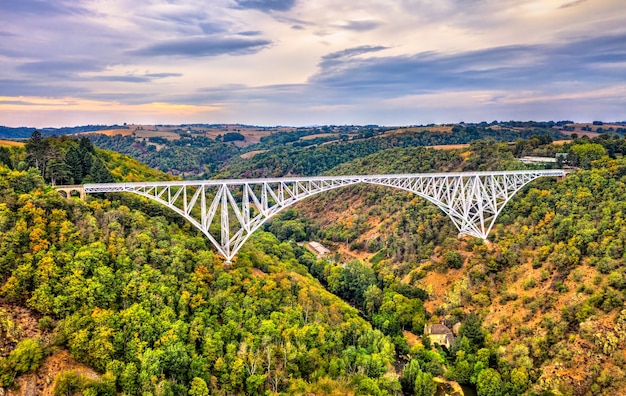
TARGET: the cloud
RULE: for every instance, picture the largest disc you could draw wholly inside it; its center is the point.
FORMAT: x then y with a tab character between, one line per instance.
352	52
250	33
19	87
308	59
360	26
163	75
41	8
267	5
60	68
127	78
572	4
369	86
507	67
203	46
134	98
131	78
211	27
21	103
335	62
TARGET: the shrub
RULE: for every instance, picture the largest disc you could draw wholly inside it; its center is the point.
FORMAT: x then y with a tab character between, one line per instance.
453	259
529	283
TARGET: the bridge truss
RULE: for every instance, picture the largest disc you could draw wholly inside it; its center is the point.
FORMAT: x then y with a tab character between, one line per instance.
229	211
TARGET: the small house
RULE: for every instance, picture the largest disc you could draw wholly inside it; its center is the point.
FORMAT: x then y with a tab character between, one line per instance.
318	249
439	334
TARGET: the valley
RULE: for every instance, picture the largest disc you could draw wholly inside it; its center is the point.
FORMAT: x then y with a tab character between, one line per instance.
134	300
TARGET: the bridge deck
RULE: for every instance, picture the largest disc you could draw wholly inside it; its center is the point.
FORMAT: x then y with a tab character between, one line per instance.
219	182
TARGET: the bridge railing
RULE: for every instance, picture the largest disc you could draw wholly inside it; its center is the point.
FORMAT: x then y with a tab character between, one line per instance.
114	187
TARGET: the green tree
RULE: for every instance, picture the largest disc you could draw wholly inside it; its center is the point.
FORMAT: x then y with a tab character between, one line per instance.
68	383
424	385
5	157
74	162
453	259
36	148
584	154
23	359
129	378
198	387
489	383
57	171
85	146
472	329
176	359
428	345
519	380
410	372
462	371
26	356
373	297
100	173
355	278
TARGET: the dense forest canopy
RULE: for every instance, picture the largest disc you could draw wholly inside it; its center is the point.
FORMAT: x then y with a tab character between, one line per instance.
136	294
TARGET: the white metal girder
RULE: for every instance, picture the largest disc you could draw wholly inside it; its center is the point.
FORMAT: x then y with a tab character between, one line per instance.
472	200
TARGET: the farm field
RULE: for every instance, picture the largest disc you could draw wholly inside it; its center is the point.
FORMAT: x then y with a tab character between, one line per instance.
252	135
10	143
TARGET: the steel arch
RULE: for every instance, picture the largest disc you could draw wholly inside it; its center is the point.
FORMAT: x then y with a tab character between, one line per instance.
229	211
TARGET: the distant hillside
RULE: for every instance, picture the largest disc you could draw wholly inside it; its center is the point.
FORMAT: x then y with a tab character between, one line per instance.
204	151
25	132
593	129
289	160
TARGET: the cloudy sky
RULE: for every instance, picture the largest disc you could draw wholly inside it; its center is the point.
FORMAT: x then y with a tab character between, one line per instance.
304	62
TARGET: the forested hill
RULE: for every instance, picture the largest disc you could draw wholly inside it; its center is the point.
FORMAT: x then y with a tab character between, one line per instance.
144	306
290	160
65	160
138	296
302	151
549	288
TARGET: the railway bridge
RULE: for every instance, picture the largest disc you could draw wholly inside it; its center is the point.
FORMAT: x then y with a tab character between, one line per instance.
227	212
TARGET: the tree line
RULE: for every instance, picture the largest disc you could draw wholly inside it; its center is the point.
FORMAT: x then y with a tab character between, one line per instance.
64	160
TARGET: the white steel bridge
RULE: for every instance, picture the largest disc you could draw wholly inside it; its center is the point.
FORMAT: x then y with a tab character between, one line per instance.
229	211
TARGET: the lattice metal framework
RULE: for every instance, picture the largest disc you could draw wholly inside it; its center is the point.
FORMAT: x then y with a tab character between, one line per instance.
229	211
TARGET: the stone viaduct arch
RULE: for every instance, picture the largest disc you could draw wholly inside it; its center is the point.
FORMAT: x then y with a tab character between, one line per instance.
68	190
